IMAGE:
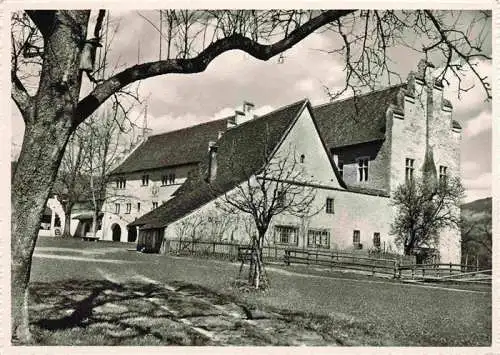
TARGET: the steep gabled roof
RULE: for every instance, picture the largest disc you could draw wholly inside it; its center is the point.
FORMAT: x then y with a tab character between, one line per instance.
241	152
184	146
355	120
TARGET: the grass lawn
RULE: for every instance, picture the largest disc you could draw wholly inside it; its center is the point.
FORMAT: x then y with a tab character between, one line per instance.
309	308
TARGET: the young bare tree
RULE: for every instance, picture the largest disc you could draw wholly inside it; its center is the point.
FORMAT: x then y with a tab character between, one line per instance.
423	210
281	188
53	51
72	184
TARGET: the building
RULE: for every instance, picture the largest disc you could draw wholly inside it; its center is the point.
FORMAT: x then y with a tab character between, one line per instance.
355	151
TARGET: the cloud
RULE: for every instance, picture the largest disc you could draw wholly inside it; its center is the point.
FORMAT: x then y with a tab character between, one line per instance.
478	187
478	124
483	181
469	167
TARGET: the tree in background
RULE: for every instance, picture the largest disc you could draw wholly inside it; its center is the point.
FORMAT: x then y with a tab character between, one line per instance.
423	210
53	55
281	188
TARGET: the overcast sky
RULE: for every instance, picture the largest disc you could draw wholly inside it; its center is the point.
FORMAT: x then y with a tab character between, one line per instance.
178	101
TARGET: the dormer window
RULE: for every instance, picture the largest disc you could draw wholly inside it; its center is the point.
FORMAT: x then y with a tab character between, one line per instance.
145	180
121	182
168	179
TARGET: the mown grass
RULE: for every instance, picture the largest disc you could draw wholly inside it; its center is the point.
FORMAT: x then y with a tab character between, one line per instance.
352	310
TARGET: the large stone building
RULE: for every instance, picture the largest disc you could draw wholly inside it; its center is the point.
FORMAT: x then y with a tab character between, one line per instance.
355	153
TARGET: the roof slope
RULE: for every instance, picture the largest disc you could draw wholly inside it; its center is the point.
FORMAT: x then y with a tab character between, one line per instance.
242	151
179	147
355	120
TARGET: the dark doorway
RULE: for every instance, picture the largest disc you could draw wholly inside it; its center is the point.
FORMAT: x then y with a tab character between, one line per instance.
132	234
117	232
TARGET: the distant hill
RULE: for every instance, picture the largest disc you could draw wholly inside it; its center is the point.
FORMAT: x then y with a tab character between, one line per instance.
476	233
477	206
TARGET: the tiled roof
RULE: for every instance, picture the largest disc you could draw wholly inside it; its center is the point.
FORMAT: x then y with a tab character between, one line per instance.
355	120
240	154
184	146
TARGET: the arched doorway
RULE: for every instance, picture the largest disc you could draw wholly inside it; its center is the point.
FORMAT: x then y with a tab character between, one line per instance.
117	232
132	234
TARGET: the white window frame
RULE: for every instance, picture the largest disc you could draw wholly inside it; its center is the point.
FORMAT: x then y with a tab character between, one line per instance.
330	210
322	234
443	173
363	170
291	231
409	169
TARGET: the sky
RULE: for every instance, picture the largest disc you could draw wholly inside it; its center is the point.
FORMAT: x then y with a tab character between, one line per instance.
177	101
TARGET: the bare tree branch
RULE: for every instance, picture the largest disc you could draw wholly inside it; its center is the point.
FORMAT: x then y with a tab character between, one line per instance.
199	63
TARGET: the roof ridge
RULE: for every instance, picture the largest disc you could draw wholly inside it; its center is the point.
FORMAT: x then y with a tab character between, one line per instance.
189	127
272	112
362	95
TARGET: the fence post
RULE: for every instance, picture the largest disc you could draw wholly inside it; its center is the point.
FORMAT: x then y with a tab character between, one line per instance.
275	252
412	271
423	272
316	256
450	268
287	257
213	249
308	258
332	262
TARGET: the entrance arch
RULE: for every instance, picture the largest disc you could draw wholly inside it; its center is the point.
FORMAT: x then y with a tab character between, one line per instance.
117	232
132	234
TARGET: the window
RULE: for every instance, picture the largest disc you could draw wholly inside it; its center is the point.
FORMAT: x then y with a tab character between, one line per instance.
318	238
376	240
341	168
302	158
129	207
363	169
155	205
442	173
168	179
138	207
409	169
280	199
117	208
145	180
286	234
329	205
356	238
121	183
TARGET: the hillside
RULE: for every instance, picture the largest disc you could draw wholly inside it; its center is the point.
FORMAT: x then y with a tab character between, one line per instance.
476	233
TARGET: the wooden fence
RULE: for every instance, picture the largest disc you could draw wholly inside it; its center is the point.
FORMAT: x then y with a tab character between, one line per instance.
337	259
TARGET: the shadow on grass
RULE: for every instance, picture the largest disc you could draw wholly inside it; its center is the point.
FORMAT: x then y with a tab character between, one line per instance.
100	312
110	313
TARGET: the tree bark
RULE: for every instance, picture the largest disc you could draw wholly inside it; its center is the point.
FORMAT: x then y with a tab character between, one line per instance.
67	218
49	122
35	174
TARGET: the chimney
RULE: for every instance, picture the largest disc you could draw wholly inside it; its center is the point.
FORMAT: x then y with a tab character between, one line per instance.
212	161
248	110
239	117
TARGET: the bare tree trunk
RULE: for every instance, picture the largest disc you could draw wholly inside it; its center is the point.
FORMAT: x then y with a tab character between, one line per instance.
40	157
67	218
